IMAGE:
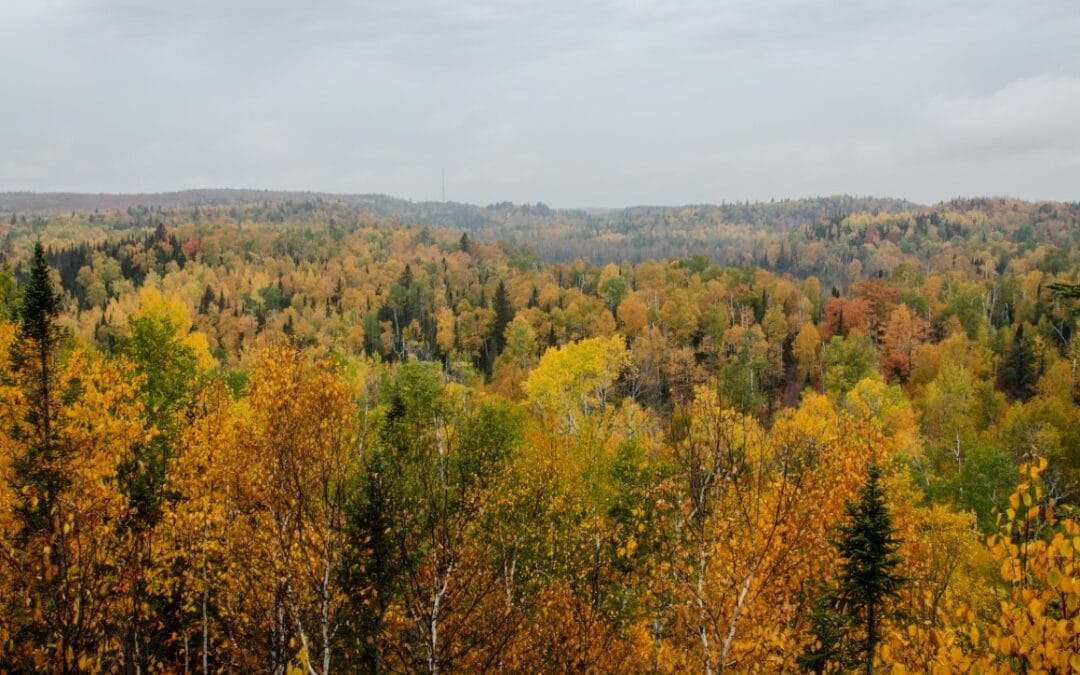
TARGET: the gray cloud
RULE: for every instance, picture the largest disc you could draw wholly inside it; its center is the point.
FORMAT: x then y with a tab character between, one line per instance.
574	103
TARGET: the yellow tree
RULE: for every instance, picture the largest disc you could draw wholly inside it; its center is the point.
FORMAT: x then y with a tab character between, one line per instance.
745	510
71	424
1030	623
296	444
572	387
257	534
64	612
1039	558
634	315
190	567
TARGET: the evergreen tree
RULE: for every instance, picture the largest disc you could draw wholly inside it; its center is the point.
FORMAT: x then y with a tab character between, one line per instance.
827	626
781	259
504	314
206	301
1062	289
39	472
8	306
464	244
868	577
1018	372
33	357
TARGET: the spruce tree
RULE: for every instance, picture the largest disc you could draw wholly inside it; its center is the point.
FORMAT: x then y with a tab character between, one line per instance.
8	305
504	314
38	474
33	356
846	618
868	577
206	301
827	628
1018	372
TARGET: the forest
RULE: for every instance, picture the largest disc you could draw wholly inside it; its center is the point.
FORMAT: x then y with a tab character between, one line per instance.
324	435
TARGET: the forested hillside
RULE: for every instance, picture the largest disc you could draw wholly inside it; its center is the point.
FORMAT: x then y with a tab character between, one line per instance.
637	234
310	435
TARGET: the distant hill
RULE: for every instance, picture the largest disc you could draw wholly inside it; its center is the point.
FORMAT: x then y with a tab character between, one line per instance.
758	233
54	203
441	213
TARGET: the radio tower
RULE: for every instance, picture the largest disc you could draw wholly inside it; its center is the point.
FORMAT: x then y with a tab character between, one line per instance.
444	185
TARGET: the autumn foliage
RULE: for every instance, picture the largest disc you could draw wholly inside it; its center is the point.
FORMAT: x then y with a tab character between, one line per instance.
240	446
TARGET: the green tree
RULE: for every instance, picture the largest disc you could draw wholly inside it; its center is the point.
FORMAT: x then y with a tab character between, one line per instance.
168	373
847	360
743	381
386	511
274	299
424	490
520	342
984	484
39	465
504	314
1018	372
827	626
868	577
614	290
8	298
34	356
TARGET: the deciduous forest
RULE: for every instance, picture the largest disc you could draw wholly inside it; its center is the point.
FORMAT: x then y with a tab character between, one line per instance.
323	435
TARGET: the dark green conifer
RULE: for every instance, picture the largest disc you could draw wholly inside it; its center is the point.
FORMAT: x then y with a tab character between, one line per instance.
827	628
847	619
1018	372
504	314
34	356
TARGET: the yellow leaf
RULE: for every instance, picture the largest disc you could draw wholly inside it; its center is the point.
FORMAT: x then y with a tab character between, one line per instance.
1053	577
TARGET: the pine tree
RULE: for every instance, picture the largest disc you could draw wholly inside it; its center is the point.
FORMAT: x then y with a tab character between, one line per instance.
1065	290
868	576
464	244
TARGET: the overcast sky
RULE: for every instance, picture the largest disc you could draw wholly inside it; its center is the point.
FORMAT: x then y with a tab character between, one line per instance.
574	103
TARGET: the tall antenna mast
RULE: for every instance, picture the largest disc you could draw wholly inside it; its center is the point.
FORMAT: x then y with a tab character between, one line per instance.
444	184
